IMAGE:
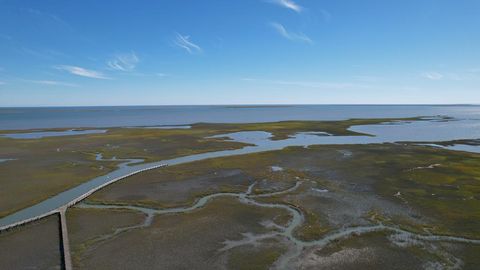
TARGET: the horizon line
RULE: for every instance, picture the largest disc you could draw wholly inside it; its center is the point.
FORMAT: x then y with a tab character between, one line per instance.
249	104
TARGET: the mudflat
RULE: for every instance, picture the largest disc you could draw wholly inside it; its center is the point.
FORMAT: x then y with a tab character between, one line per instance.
414	191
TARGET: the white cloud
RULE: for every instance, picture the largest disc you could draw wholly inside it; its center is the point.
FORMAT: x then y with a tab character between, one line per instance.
280	29
79	71
435	76
124	62
55	83
462	75
185	43
290	4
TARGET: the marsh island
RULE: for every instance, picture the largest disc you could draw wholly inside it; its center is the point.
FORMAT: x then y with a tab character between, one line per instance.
279	195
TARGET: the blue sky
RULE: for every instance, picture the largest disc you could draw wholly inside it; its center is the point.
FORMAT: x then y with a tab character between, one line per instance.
89	52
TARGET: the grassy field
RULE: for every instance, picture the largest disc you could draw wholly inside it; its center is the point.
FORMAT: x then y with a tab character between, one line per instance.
44	167
33	246
86	226
387	179
187	241
420	189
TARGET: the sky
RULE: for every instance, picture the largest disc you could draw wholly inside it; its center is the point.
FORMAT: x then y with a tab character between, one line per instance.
189	52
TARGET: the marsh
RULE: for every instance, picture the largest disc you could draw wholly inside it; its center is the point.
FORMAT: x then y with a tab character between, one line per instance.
290	194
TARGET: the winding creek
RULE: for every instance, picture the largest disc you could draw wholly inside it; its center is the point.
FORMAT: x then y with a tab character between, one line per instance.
382	133
287	232
260	141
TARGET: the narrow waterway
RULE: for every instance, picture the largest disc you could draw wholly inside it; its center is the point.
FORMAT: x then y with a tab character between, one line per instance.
287	232
44	134
424	131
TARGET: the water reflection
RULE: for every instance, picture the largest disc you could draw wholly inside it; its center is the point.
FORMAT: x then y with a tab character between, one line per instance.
259	141
43	134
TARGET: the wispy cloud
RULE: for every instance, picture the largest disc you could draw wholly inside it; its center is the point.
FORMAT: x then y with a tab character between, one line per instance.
431	75
2	83
124	62
290	4
38	52
299	37
47	15
55	83
79	71
185	43
460	75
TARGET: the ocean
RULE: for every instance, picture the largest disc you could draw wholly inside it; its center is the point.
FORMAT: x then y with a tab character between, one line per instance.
123	116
